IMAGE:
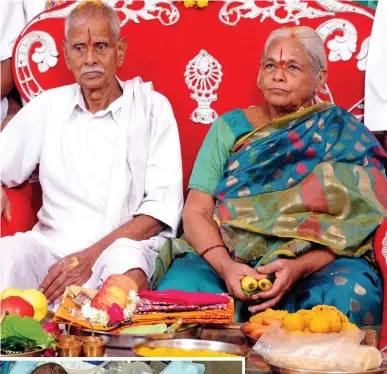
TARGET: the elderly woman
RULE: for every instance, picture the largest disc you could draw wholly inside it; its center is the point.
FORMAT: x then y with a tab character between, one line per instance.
289	187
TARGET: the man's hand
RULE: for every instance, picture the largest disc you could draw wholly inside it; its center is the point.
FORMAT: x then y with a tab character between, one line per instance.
5	206
74	269
233	276
287	273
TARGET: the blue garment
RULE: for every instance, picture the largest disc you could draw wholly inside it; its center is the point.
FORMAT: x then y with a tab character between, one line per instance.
349	284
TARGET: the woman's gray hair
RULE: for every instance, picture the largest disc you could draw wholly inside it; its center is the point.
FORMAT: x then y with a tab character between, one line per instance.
90	8
309	38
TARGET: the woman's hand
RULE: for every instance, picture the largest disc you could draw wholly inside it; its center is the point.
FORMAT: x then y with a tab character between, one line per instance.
233	275
287	273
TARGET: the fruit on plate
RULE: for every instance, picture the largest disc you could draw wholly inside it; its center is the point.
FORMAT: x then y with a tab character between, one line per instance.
323	319
16	306
38	301
115	290
249	284
10	292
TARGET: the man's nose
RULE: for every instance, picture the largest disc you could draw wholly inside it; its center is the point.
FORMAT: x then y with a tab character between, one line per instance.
91	57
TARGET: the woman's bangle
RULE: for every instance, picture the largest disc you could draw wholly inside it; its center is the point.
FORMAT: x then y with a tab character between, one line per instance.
213	247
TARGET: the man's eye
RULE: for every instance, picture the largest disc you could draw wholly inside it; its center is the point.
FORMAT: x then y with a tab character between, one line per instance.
79	47
269	66
293	67
101	46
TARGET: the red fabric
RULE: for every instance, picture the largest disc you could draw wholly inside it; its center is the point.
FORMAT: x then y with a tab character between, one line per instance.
184	298
26	201
380	235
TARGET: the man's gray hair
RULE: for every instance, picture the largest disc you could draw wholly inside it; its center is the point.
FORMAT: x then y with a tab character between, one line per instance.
90	8
309	38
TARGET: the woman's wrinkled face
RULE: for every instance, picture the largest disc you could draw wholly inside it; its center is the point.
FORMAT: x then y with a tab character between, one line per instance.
286	77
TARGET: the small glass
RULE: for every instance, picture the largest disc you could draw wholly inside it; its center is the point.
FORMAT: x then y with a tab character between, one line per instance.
93	346
69	348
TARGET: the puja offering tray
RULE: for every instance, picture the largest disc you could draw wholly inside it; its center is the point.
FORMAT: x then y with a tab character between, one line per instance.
115	339
285	370
214	348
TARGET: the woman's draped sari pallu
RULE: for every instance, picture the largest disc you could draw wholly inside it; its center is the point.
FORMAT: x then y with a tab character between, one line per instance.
311	179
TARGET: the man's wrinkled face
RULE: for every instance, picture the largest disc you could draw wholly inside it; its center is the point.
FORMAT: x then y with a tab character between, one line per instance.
286	78
92	53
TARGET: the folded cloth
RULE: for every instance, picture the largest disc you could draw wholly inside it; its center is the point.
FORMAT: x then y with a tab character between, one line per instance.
147	306
202	316
184	298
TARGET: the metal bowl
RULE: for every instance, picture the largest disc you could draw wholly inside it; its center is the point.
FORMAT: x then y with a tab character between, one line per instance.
249	338
117	340
190	344
26	354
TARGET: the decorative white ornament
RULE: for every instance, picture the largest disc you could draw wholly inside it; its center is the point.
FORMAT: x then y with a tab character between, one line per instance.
341	47
163	10
203	76
363	54
46	56
358	110
290	11
231	14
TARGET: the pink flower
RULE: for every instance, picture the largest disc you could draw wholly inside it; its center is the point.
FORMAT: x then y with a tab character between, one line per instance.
53	328
116	313
49	352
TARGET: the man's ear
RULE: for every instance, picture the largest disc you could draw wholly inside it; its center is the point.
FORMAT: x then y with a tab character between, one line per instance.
65	52
321	80
122	46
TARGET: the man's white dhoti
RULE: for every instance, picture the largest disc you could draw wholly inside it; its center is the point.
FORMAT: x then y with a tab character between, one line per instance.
28	257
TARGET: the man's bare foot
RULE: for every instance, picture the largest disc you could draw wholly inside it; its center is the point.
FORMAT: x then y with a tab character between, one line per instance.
139	277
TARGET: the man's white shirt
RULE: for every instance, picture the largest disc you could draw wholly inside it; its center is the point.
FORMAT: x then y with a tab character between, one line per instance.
74	150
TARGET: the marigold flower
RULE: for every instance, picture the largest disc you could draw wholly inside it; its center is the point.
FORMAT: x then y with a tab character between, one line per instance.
202	3
189	3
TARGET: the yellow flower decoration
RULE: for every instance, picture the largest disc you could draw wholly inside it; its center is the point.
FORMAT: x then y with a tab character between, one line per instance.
189	3
93	2
202	3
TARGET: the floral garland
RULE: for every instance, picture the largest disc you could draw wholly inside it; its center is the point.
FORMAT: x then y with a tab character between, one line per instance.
197	3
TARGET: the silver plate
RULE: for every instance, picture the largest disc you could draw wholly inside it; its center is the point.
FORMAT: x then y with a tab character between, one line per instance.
114	340
285	370
189	344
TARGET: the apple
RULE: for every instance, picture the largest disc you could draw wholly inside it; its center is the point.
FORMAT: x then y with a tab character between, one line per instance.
114	290
16	306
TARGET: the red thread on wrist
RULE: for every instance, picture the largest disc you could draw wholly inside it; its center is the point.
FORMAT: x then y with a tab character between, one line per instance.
213	247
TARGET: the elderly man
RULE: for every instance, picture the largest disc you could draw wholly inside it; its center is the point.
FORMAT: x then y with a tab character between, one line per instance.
110	169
